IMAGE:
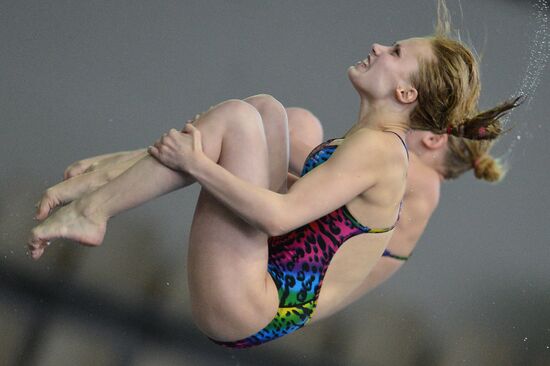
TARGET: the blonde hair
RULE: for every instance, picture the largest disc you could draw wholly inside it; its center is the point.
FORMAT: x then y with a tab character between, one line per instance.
463	155
448	92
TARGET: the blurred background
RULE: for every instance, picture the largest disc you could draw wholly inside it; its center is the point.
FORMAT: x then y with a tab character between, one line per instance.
82	78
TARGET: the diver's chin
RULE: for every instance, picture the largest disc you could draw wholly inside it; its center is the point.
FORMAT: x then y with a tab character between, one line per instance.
353	73
355	79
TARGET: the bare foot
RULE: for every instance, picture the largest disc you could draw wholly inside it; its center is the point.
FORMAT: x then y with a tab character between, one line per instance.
69	222
68	191
80	166
98	162
91	164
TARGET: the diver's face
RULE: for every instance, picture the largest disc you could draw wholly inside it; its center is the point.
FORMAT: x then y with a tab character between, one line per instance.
388	67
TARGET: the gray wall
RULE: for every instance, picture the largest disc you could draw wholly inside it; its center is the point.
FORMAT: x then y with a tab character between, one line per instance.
88	77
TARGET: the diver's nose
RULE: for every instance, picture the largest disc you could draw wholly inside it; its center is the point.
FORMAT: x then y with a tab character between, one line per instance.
376	48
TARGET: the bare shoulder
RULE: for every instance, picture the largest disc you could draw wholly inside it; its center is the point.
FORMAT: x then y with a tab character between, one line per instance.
374	147
423	185
420	200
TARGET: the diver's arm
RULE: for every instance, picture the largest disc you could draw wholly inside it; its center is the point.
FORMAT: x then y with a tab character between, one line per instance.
345	175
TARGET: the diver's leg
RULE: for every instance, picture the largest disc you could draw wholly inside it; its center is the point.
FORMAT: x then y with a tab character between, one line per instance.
232	294
80	184
145	180
275	125
305	133
304	130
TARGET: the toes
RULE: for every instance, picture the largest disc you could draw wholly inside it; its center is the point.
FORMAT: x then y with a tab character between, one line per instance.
45	205
37	243
69	173
39	237
34	240
36	254
42	211
91	168
73	171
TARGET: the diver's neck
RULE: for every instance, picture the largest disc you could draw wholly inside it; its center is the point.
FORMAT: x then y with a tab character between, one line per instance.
381	117
431	159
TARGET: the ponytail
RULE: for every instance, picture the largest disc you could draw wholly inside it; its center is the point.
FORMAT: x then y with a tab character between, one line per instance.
488	168
485	125
463	155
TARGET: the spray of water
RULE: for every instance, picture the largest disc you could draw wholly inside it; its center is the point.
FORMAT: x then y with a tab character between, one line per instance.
539	51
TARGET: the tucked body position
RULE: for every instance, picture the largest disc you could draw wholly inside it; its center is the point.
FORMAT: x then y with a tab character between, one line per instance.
271	250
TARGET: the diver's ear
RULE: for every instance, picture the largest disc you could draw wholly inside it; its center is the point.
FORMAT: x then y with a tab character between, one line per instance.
406	95
433	141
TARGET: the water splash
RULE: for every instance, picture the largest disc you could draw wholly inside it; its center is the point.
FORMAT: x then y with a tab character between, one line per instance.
539	51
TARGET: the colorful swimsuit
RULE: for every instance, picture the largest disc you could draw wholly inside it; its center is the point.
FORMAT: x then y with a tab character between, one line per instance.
298	261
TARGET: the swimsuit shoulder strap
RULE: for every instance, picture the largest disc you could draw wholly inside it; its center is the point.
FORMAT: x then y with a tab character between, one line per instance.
403	142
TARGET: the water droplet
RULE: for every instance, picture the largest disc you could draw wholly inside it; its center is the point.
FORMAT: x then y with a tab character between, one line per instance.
537	59
525	339
167	283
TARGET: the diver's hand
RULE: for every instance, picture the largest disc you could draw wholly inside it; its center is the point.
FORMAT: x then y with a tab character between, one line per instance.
179	150
197	117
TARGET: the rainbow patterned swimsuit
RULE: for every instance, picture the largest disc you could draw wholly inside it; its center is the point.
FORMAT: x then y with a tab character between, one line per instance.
298	261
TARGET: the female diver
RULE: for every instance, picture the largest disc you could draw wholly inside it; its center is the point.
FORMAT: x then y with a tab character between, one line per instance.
433	159
424	83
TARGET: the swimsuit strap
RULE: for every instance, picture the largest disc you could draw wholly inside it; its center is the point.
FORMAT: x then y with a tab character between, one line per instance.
401	203
403	142
388	253
363	228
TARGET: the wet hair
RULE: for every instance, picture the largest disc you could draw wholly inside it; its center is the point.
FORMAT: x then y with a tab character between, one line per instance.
463	154
448	92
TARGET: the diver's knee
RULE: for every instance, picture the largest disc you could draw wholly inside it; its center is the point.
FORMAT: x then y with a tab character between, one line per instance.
235	115
262	100
302	123
300	118
268	105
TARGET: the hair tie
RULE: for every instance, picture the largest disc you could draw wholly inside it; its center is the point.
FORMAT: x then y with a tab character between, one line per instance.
458	131
482	132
